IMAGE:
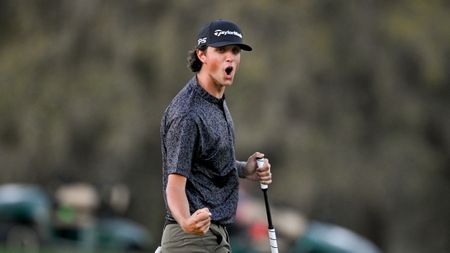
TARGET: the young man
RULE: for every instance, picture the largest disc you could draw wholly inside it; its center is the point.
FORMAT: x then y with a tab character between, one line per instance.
200	171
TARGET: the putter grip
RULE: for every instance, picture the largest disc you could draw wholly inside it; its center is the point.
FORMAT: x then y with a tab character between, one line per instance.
260	163
273	241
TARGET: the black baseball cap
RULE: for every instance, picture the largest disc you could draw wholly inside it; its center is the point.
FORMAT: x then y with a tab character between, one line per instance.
221	33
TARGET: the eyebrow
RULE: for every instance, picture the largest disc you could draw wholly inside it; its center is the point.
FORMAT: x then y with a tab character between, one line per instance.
232	47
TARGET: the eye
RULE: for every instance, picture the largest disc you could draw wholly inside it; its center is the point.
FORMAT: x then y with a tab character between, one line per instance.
221	49
236	50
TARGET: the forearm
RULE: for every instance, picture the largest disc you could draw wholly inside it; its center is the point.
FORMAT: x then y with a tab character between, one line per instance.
178	202
197	223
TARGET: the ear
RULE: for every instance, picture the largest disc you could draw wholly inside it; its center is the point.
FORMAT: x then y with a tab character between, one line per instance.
201	55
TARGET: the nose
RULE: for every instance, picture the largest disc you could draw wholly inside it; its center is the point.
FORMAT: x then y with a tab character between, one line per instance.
229	57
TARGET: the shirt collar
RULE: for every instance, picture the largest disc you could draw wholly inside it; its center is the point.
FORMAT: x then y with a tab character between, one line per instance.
204	94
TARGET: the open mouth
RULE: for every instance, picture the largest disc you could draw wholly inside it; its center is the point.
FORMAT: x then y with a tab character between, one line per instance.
228	70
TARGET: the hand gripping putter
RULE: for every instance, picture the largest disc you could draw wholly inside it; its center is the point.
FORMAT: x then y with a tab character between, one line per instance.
271	229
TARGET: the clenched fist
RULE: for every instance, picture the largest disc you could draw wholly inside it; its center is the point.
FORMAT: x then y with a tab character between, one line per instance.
198	223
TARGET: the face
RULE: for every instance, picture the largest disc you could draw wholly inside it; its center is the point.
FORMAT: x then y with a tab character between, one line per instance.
221	63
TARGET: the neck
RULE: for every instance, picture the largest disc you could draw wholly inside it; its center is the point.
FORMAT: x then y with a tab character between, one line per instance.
209	85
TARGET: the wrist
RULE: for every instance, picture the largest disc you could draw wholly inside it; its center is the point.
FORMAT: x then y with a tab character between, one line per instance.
183	224
240	166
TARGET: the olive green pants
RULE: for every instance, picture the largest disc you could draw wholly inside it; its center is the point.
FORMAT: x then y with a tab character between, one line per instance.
175	240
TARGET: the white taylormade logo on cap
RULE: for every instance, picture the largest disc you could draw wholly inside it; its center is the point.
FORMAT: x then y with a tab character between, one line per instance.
218	33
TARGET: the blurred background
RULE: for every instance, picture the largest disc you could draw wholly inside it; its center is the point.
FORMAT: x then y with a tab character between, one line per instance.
348	99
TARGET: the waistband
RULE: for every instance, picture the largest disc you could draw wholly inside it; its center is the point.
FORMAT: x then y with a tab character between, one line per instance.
169	222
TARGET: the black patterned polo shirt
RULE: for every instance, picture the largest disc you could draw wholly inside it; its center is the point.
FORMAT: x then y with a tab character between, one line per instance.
197	142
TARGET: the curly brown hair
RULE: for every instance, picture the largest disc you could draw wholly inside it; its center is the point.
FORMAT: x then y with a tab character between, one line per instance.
194	63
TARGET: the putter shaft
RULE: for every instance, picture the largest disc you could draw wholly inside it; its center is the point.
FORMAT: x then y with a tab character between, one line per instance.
271	229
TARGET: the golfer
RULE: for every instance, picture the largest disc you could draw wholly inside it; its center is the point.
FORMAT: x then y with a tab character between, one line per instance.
200	171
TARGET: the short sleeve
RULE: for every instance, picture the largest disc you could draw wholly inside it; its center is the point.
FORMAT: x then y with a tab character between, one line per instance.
180	142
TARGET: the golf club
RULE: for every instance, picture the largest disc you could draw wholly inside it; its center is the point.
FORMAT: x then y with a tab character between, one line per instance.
271	229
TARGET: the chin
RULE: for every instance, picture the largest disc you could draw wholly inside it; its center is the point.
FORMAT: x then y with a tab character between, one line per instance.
228	81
